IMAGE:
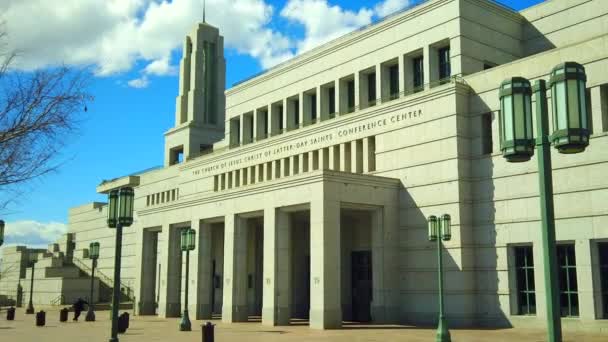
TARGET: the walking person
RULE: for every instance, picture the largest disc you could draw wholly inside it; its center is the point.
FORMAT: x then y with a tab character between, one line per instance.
79	307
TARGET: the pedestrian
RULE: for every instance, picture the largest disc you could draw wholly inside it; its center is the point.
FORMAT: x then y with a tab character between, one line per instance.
79	307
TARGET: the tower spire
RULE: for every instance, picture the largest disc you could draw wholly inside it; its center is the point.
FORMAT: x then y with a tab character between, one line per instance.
204	6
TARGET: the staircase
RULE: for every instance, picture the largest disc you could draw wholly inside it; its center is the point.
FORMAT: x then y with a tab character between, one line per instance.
126	291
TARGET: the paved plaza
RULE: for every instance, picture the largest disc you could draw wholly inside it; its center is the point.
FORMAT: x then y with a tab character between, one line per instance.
151	328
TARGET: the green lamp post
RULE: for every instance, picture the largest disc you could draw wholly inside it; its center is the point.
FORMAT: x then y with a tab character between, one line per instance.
188	243
33	258
440	229
570	135
120	214
1	232
93	255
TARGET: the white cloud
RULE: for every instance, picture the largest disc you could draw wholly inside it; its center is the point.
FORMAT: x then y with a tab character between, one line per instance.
114	36
160	67
323	22
139	83
390	6
33	233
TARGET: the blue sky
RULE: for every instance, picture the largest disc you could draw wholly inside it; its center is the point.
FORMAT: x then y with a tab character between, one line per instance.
135	83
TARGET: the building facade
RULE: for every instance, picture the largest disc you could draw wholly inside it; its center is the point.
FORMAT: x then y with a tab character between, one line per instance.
309	185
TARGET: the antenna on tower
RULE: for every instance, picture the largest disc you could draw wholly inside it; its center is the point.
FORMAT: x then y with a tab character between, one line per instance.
204	5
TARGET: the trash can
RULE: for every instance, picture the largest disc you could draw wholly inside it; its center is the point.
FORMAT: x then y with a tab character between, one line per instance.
123	323
63	315
10	314
40	319
208	332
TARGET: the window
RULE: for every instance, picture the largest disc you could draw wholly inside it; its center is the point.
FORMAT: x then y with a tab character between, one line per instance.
568	286
524	271
486	134
603	254
604	106
371	84
393	73
313	107
418	64
176	155
332	102
280	114
444	63
350	86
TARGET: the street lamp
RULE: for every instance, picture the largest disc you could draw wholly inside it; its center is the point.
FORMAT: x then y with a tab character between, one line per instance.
570	135
1	232
120	214
93	255
440	229
187	243
33	258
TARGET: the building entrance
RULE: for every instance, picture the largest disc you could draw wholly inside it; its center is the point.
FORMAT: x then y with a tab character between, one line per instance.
361	269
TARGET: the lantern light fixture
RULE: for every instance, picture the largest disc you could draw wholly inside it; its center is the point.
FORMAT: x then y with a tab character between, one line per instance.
112	208
125	213
94	250
446	227
570	110
516	130
432	221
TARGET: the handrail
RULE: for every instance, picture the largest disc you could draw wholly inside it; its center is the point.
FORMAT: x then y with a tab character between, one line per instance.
102	277
59	300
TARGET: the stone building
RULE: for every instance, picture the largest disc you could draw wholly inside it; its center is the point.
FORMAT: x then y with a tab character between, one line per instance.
309	184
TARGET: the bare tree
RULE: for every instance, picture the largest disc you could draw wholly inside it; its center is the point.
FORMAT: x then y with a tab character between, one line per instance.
38	111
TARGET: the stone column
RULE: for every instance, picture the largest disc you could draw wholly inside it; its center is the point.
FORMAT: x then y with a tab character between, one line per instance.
147	282
385	271
171	274
277	268
235	307
203	275
325	279
585	280
380	88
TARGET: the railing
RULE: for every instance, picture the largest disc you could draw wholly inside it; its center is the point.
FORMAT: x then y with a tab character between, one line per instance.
103	277
60	300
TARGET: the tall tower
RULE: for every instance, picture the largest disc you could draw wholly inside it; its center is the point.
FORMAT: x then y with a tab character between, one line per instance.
200	105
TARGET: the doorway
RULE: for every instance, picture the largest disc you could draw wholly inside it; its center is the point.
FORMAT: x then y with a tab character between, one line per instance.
361	270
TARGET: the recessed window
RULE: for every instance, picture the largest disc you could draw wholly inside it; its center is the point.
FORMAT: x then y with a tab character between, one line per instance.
350	100
332	102
393	74
371	84
418	65
568	285
604	106
176	155
486	134
603	256
524	271
444	63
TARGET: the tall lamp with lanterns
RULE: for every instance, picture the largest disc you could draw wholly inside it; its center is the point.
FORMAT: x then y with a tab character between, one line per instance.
93	255
570	135
33	259
440	229
120	214
188	242
1	232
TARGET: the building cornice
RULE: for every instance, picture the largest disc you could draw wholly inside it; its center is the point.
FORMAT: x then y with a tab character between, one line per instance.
325	176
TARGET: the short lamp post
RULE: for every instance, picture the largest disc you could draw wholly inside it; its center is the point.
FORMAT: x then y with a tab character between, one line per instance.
33	258
187	243
120	214
1	232
570	135
93	255
440	229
